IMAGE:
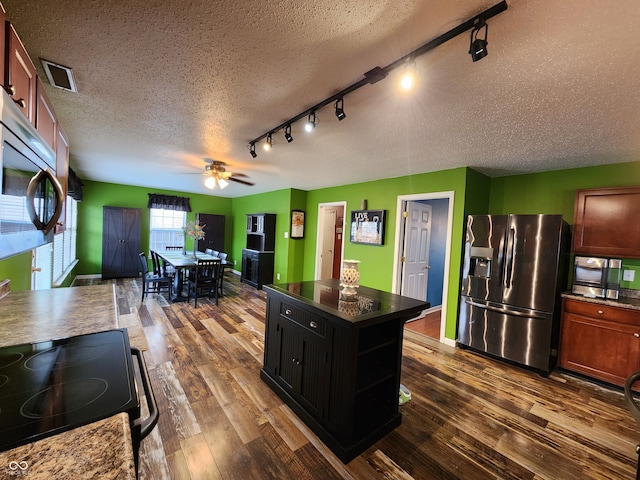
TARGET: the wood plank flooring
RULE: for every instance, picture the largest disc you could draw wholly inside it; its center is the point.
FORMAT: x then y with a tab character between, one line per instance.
470	417
428	325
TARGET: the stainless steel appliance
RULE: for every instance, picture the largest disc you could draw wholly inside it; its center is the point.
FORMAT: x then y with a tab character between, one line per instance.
31	197
514	270
51	387
596	277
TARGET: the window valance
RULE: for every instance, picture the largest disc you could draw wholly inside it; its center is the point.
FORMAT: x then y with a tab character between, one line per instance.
169	202
74	186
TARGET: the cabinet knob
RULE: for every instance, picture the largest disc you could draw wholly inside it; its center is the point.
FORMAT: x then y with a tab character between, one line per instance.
637	335
11	90
313	325
600	312
21	103
288	312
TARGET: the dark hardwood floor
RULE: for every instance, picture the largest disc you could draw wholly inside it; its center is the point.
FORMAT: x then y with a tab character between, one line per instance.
428	325
470	417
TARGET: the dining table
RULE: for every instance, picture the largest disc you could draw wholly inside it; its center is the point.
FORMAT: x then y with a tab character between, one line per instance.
181	261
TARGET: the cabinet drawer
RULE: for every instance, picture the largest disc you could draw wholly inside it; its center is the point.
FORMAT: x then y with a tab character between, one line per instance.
604	312
313	323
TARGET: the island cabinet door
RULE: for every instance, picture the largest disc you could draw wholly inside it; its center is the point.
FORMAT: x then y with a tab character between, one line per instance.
302	366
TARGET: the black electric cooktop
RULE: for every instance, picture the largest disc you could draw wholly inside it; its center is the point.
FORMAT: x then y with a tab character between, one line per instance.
50	387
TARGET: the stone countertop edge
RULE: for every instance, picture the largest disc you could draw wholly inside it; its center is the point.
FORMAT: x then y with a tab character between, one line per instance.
630	303
42	315
100	449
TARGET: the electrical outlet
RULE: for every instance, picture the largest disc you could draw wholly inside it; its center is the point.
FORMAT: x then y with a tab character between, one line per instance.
628	275
277	276
286	234
235	261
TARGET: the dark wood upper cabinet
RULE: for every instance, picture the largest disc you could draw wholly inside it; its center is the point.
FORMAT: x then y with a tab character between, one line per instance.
606	222
46	121
3	19
20	75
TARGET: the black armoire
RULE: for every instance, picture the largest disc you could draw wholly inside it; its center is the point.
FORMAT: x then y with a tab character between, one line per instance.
120	242
258	257
213	232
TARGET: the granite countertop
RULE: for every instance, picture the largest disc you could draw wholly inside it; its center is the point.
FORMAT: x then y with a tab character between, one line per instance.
632	303
36	316
99	450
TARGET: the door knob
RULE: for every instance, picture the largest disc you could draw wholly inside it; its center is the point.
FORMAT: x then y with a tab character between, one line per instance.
38	269
427	267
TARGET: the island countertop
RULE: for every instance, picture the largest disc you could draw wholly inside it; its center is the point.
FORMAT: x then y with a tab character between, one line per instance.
37	316
98	450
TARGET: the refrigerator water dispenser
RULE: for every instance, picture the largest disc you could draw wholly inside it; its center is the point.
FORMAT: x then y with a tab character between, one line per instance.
480	262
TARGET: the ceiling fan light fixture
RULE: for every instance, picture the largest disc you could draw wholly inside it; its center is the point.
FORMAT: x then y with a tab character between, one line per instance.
478	46
311	122
210	182
340	115
222	183
287	134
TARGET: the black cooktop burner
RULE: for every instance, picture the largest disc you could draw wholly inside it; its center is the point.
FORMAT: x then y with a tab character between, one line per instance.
50	387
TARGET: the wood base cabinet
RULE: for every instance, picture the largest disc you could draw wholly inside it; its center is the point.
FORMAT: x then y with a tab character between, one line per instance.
257	268
336	363
599	340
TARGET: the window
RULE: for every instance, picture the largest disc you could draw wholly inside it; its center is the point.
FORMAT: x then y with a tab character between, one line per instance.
64	244
166	228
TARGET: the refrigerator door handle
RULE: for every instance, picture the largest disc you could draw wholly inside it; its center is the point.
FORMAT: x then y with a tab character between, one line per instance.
508	264
503	310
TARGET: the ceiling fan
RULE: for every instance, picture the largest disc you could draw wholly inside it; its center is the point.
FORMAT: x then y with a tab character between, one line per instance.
218	176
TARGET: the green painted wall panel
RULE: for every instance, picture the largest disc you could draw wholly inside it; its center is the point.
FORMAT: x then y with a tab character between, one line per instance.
98	194
18	270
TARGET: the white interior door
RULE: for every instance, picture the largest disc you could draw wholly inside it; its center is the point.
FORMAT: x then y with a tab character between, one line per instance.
416	266
328	234
42	267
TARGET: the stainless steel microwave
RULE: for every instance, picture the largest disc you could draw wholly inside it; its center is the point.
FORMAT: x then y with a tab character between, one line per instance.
597	277
31	197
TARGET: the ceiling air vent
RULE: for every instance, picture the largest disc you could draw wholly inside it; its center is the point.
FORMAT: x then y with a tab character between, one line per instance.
59	76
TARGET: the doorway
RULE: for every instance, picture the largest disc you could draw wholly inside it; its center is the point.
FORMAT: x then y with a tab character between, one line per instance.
330	241
422	251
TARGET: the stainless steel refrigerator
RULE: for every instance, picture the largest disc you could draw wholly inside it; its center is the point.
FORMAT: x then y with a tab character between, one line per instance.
514	270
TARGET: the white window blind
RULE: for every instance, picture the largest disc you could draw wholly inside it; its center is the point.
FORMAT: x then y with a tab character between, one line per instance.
64	244
165	228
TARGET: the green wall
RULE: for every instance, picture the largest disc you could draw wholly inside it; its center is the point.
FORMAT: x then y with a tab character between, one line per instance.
99	194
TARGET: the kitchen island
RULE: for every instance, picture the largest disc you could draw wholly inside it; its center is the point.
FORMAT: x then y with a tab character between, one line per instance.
101	449
335	360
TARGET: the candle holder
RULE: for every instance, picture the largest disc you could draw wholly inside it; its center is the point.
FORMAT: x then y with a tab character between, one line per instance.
350	277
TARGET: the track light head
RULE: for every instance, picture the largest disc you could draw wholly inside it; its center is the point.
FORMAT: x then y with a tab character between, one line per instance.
268	143
340	109
252	150
311	121
287	134
478	47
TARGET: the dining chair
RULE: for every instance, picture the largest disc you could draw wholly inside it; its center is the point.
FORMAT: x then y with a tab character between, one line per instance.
152	283
204	278
160	267
209	251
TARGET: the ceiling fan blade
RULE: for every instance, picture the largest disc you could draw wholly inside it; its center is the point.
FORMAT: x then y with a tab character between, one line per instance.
244	182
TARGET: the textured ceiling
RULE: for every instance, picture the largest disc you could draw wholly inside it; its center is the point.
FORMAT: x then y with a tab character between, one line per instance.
164	84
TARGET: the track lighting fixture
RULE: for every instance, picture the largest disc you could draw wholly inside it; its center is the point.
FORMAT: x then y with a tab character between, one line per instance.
409	76
311	121
340	109
287	134
478	47
268	143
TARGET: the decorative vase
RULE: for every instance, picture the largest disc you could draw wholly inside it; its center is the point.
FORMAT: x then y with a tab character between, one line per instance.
350	277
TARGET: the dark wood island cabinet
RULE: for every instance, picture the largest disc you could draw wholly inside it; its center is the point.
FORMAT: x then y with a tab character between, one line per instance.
336	361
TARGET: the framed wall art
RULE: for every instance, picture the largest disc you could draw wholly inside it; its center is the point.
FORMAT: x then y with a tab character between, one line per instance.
297	224
367	226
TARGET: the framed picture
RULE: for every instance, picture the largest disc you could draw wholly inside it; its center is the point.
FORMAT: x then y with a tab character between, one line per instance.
367	226
297	224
